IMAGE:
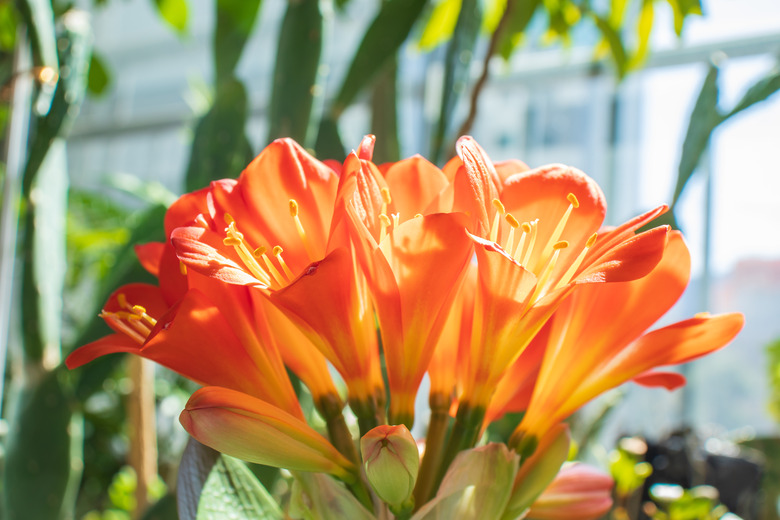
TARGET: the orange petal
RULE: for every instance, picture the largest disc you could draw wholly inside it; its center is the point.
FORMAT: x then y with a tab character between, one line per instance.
476	185
630	260
281	172
253	430
110	344
187	207
506	169
542	194
325	301
413	184
150	256
656	378
202	250
424	259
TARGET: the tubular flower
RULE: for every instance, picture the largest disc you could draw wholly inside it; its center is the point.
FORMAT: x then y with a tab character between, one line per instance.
578	492
595	342
412	265
269	230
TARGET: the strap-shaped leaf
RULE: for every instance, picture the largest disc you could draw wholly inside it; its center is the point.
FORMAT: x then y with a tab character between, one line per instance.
39	18
235	19
38	451
220	148
704	118
384	114
760	91
456	69
297	83
381	41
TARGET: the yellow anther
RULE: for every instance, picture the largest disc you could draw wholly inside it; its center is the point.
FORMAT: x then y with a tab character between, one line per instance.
137	309
116	320
133	317
277	250
569	274
561	245
531	242
512	221
385	220
121	299
386	195
293	208
259	252
526	227
592	240
301	232
231	241
229	219
418	215
182	268
572	198
499	206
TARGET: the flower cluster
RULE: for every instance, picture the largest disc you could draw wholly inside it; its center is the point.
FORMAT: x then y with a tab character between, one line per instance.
496	280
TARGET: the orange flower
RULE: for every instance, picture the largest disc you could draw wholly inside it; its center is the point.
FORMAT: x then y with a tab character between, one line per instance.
269	230
412	265
534	244
595	342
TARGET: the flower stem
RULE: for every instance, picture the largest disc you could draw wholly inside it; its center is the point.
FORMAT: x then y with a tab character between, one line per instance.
434	449
465	434
330	407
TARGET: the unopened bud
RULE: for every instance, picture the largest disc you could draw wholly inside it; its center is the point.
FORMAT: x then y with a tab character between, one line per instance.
391	461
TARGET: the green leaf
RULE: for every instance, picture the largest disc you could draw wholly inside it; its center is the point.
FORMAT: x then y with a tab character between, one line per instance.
214	486
644	28
38	452
39	17
235	19
220	148
616	47
704	118
380	43
163	509
174	12
456	71
318	496
98	78
763	88
44	257
440	24
297	84
682	9
329	145
384	114
518	21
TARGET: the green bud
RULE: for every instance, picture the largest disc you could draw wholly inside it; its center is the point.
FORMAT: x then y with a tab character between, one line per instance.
391	460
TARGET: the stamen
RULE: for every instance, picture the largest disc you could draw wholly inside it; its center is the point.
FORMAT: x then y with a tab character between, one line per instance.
277	251
566	278
121	325
556	234
182	268
418	215
121	299
396	219
271	268
385	199
236	240
541	284
534	224
384	220
500	211
514	224
229	219
526	227
141	313
301	231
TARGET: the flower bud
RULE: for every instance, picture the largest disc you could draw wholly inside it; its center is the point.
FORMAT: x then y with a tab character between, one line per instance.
391	461
578	492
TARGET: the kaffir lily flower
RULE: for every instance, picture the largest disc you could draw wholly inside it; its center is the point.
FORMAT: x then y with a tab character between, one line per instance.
578	492
595	342
270	230
294	264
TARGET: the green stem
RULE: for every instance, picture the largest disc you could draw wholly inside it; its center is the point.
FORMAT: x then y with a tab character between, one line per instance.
366	412
465	434
434	451
330	407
